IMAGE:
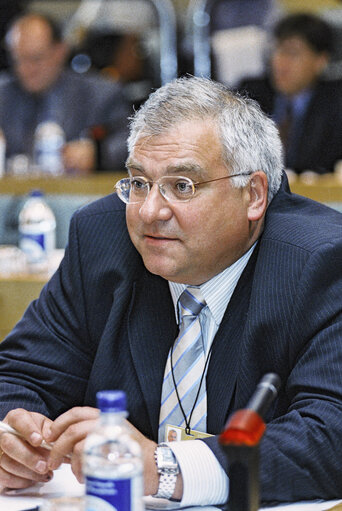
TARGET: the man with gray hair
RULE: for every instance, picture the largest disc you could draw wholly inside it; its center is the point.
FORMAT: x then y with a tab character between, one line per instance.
207	274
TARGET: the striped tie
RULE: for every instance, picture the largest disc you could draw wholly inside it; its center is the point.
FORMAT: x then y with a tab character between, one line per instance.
188	362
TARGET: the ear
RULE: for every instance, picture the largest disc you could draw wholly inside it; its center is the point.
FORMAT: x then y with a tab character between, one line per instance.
258	188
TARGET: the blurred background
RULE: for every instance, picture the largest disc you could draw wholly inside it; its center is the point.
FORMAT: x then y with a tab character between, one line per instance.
144	43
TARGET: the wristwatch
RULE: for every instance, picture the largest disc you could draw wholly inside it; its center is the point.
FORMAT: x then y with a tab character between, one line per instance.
168	469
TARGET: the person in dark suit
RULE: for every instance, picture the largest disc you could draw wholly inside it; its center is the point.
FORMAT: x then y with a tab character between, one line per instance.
206	207
306	107
91	110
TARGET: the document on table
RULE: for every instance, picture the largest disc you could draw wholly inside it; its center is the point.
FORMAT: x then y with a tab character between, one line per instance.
62	483
65	483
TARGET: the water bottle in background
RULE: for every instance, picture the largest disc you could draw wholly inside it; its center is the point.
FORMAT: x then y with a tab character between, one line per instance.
37	231
2	153
112	463
49	139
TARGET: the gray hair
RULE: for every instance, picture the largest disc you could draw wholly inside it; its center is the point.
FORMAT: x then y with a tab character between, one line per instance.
250	140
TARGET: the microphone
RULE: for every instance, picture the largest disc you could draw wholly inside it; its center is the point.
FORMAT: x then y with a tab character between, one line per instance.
240	442
246	426
267	390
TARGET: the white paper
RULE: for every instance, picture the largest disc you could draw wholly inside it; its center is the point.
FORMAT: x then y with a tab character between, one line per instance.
63	483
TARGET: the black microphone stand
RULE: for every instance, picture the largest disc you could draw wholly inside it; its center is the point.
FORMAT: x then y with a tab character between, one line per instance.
240	442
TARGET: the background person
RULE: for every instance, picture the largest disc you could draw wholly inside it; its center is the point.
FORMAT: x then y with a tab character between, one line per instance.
207	224
39	88
306	108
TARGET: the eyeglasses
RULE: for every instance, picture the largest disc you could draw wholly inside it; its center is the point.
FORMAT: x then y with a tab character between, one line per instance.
133	190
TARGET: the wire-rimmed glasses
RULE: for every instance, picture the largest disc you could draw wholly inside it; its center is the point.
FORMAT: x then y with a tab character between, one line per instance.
135	189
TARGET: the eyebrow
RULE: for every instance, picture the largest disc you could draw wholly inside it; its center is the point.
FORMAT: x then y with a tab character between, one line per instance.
182	168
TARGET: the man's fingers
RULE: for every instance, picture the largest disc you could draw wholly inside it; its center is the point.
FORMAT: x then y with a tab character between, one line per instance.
8	480
12	472
28	424
76	463
70	442
67	419
20	451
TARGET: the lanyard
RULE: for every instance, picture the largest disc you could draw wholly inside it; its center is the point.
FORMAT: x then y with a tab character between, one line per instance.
187	422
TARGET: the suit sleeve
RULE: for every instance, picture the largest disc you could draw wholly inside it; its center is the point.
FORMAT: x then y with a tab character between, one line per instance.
301	451
45	361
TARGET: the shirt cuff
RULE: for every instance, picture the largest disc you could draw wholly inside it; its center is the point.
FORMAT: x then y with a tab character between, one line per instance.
204	480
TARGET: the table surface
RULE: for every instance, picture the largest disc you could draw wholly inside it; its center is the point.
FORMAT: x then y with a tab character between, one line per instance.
64	483
325	188
93	184
16	292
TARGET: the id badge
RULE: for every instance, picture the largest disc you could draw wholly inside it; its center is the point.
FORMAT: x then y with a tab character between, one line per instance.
176	434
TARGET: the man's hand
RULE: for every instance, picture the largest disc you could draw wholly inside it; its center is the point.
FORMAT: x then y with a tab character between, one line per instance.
68	432
22	461
151	477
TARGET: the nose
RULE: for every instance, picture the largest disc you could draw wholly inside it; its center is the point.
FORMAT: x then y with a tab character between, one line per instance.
156	207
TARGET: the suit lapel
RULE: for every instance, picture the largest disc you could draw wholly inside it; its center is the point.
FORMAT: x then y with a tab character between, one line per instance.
224	364
151	334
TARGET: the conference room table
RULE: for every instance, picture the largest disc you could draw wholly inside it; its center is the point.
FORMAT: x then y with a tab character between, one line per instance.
325	188
18	290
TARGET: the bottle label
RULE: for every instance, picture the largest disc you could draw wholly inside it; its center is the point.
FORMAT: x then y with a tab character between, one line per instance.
34	246
49	140
109	494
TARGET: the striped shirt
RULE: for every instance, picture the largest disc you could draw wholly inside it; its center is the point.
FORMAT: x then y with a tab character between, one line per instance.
204	480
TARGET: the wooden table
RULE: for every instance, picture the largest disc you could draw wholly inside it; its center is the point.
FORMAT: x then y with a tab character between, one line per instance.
326	188
16	292
101	183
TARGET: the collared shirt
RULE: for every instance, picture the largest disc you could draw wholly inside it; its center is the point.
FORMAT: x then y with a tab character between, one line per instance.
217	292
204	480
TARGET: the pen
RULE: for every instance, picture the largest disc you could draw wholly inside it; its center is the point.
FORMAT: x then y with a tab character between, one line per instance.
6	428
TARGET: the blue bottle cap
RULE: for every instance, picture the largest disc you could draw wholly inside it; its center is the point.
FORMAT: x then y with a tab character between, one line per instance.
36	193
111	401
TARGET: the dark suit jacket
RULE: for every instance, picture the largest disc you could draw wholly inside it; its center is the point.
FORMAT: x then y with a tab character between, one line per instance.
103	321
318	141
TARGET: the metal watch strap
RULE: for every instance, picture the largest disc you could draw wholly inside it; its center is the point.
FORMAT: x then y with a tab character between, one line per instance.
167	483
167	476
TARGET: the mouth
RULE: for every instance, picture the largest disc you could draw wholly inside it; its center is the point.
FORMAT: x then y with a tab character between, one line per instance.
152	238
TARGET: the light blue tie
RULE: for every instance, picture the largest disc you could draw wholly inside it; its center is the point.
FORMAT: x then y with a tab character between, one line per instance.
188	363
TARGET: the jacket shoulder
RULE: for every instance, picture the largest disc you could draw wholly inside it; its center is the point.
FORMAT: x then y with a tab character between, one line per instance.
108	204
302	222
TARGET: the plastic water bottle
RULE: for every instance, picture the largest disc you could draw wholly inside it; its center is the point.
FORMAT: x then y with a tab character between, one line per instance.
37	231
112	463
49	139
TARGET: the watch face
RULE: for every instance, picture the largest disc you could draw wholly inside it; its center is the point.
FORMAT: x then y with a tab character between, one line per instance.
166	460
